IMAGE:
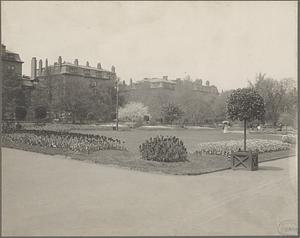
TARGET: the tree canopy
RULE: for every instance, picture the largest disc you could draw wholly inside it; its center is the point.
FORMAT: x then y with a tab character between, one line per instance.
133	111
279	96
171	112
40	112
245	104
20	113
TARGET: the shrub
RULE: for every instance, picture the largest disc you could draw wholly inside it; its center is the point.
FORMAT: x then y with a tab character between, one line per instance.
8	127
139	123
20	113
163	149
40	112
291	139
91	116
134	112
226	147
171	112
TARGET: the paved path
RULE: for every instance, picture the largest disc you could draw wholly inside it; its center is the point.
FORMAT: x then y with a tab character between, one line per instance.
49	195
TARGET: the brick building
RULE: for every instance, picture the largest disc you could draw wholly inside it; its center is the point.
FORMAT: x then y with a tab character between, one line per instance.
58	84
16	88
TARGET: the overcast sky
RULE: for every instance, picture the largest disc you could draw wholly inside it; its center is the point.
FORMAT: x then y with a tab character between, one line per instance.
226	43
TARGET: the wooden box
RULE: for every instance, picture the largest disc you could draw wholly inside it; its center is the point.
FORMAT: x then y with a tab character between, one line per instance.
244	160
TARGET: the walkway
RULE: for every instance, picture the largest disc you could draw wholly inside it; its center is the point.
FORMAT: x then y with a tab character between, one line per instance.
49	195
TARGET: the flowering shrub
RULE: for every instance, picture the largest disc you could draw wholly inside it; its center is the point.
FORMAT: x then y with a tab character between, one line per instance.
163	149
289	139
69	141
8	127
57	127
69	127
226	147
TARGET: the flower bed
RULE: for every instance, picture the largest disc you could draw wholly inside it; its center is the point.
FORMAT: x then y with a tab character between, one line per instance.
226	147
71	127
68	141
291	139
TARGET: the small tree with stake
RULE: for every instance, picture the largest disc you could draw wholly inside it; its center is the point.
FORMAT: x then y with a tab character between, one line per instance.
245	105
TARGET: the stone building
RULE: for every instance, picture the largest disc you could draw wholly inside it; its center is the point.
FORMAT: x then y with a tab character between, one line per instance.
155	83
57	83
11	62
16	88
155	92
174	85
206	89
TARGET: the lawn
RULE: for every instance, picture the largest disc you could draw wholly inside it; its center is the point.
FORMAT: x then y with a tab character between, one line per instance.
131	159
133	138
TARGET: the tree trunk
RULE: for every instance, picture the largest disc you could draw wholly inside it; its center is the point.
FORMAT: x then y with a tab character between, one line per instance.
245	124
73	118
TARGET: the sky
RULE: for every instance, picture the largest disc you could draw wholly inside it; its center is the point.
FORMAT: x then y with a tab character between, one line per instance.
227	43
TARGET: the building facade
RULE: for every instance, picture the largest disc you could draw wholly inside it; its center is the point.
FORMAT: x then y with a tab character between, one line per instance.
155	92
16	88
154	83
174	85
62	85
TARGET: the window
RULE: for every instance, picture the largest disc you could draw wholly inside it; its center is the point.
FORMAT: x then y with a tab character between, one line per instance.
105	75
86	72
10	67
72	70
98	74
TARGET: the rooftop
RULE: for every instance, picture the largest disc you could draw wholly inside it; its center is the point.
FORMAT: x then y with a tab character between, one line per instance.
158	80
81	66
9	55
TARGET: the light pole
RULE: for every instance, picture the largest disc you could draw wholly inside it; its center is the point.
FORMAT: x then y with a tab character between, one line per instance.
117	104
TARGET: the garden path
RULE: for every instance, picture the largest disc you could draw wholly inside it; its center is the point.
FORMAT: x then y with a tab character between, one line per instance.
49	195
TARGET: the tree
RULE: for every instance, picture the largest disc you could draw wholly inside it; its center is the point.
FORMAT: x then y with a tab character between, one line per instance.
40	112
20	113
76	100
219	106
195	105
171	112
91	116
12	94
133	111
286	119
278	95
244	105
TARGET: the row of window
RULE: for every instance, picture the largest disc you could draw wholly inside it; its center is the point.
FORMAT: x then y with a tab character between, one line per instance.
88	72
11	67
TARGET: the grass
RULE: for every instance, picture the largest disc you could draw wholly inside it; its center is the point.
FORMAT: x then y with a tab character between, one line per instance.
131	159
190	138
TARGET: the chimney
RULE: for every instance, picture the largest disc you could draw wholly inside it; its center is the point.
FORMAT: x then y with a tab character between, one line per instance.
87	64
207	83
40	66
59	60
200	82
76	62
99	66
33	68
46	64
113	69
131	82
3	49
165	77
